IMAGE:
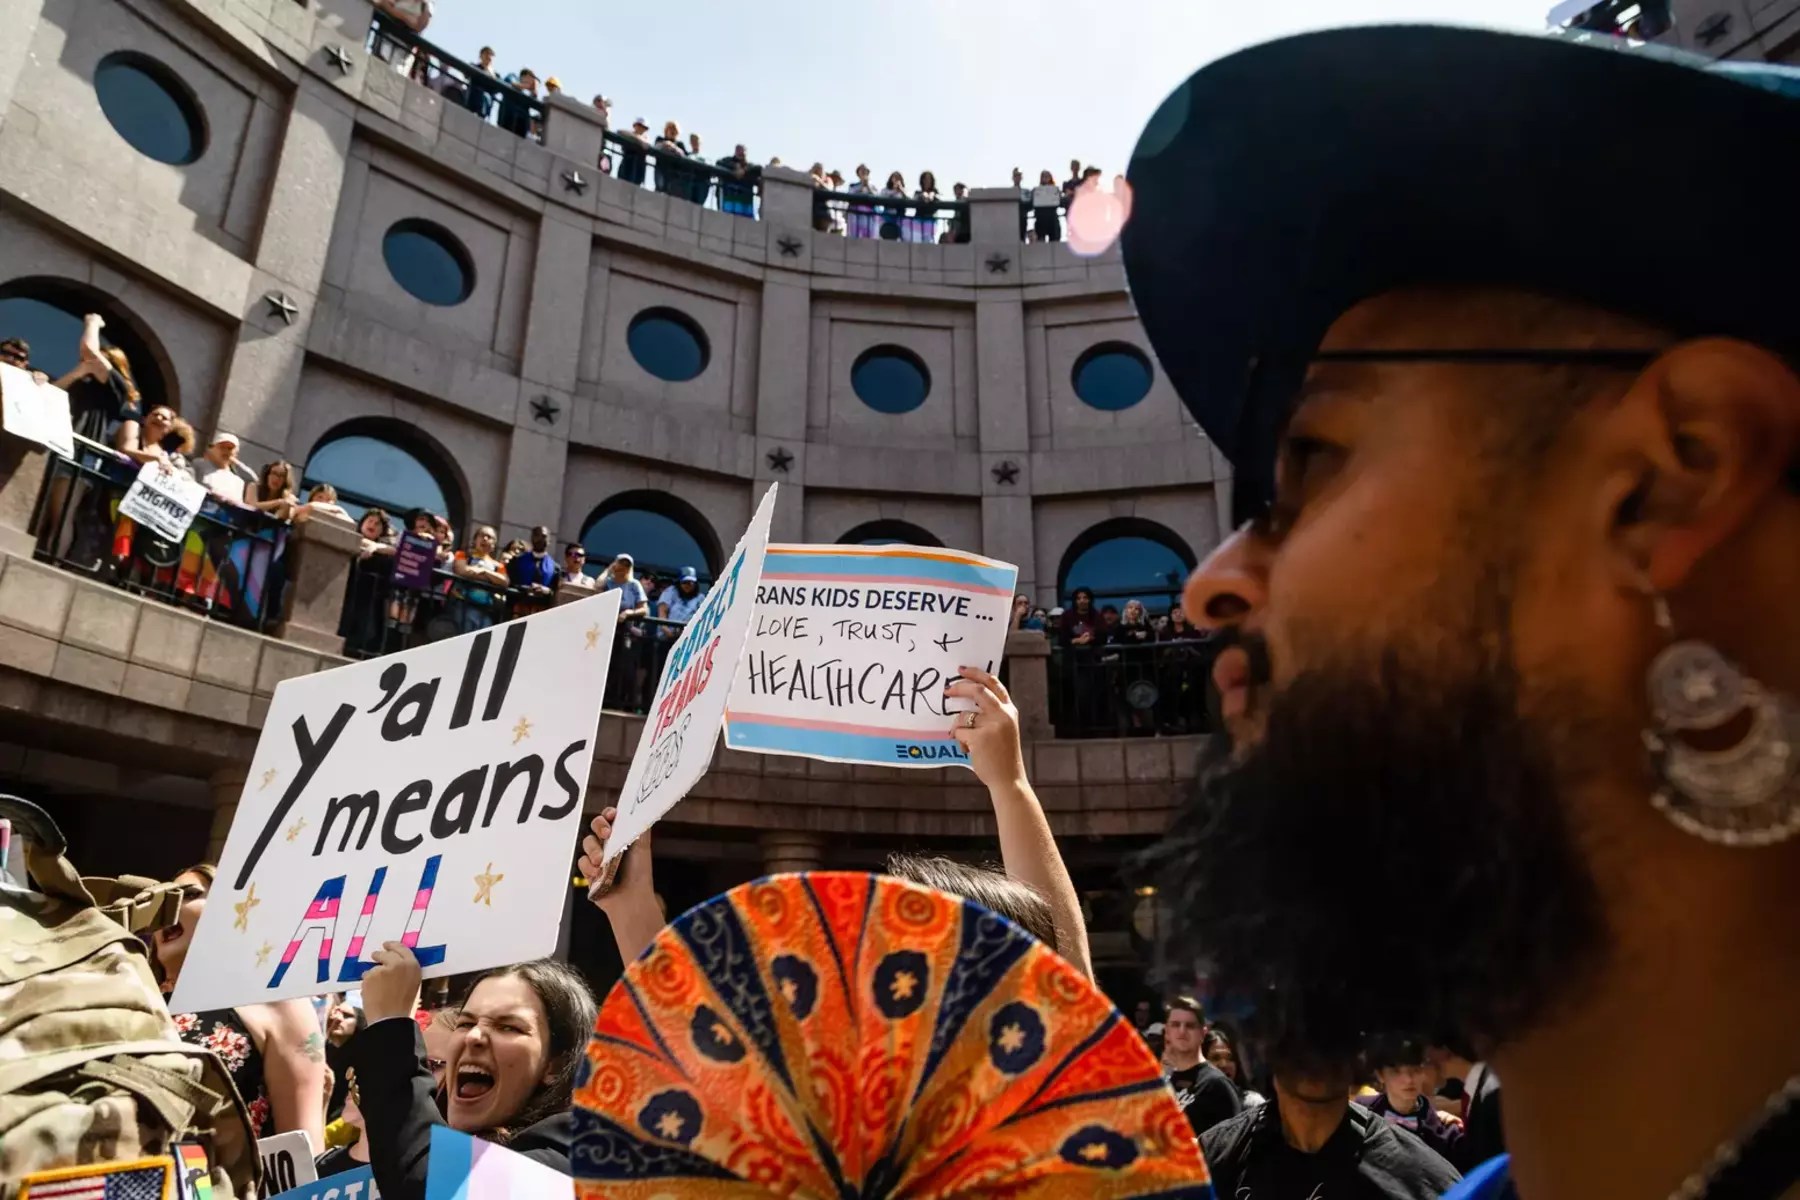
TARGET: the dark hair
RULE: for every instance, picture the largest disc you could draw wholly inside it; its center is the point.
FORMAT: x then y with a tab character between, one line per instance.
574	546
287	475
1090	171
570	1011
17	346
1079	592
994	890
1185	1004
927	175
387	524
1215	1037
1395	1050
487	50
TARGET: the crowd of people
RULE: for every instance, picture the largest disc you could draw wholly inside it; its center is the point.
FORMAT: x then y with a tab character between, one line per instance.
850	206
1121	671
366	1074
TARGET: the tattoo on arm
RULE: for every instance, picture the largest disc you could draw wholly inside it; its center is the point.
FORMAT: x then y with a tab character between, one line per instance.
313	1047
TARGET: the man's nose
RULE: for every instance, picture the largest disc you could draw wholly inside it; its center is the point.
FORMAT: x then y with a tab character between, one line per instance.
1231	586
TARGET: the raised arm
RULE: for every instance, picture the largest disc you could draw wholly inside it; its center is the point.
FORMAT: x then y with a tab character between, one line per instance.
1027	847
630	904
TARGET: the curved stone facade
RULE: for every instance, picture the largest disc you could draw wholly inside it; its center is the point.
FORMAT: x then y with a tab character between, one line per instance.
256	280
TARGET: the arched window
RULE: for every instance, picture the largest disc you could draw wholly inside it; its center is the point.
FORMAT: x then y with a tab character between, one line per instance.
47	313
661	532
1127	558
380	463
888	533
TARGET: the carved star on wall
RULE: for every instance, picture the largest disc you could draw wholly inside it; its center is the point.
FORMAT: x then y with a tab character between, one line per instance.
340	58
1006	473
281	305
574	181
998	264
544	410
1711	30
780	460
788	245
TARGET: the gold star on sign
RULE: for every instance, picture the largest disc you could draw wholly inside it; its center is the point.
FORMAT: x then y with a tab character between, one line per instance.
1011	1038
1094	1152
294	830
790	990
670	1125
484	887
521	731
593	640
905	983
262	955
243	907
269	777
721	1034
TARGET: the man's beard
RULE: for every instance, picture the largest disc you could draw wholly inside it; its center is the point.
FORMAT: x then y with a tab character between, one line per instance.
1393	854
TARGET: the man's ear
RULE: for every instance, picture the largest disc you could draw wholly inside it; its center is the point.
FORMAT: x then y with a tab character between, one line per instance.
1700	440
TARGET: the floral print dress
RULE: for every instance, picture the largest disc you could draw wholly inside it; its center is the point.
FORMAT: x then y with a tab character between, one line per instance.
222	1032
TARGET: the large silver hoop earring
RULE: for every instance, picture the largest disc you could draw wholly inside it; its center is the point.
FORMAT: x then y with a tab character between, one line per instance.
1744	794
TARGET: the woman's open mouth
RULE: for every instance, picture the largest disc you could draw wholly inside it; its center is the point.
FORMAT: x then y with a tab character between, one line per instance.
472	1083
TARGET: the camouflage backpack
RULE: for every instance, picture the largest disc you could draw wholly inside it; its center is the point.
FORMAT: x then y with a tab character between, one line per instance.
91	1069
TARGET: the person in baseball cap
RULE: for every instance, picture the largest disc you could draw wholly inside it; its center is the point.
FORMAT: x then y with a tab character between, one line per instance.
1499	334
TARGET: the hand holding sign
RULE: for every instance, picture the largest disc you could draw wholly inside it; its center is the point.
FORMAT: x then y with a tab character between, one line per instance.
992	741
391	988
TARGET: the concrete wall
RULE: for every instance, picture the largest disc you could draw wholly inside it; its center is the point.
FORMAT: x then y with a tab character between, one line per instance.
528	388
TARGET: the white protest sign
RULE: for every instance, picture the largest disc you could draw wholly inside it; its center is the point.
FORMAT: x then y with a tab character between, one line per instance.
431	797
37	412
683	725
287	1162
163	501
852	646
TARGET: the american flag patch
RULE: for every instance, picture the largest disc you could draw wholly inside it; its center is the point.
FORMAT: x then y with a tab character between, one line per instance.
143	1179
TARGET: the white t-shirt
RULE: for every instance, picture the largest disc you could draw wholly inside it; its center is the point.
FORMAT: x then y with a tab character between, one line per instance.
222	481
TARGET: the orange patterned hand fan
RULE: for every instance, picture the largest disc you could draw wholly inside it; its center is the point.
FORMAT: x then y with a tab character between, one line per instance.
830	1035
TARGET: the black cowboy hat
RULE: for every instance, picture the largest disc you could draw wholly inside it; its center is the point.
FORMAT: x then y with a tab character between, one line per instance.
1281	185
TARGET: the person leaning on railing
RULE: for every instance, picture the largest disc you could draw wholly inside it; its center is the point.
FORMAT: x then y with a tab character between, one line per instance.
481	601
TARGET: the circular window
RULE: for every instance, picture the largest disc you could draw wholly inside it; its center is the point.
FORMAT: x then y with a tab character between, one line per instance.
1112	377
890	379
429	262
150	108
668	344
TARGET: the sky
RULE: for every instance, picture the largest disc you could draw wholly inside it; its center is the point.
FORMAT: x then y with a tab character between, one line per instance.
965	88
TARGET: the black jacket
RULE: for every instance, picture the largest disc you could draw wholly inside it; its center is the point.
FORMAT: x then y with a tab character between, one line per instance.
399	1107
1366	1159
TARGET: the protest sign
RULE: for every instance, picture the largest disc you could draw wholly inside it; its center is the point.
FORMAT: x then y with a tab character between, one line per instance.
431	797
357	1184
683	725
37	412
852	646
464	1167
164	501
287	1162
415	558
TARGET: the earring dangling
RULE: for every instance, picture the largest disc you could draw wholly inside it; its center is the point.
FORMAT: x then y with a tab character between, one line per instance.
1744	794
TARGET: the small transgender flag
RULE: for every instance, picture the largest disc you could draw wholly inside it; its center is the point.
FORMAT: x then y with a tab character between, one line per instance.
143	1179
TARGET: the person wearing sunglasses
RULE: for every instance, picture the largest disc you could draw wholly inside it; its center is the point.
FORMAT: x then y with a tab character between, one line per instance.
574	559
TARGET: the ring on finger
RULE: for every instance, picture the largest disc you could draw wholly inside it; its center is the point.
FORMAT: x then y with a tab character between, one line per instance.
968	720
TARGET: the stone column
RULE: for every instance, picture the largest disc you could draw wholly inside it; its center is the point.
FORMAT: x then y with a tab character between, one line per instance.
994	222
319	555
574	131
1005	427
783	355
263	379
22	466
538	455
784	851
227	784
1028	675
